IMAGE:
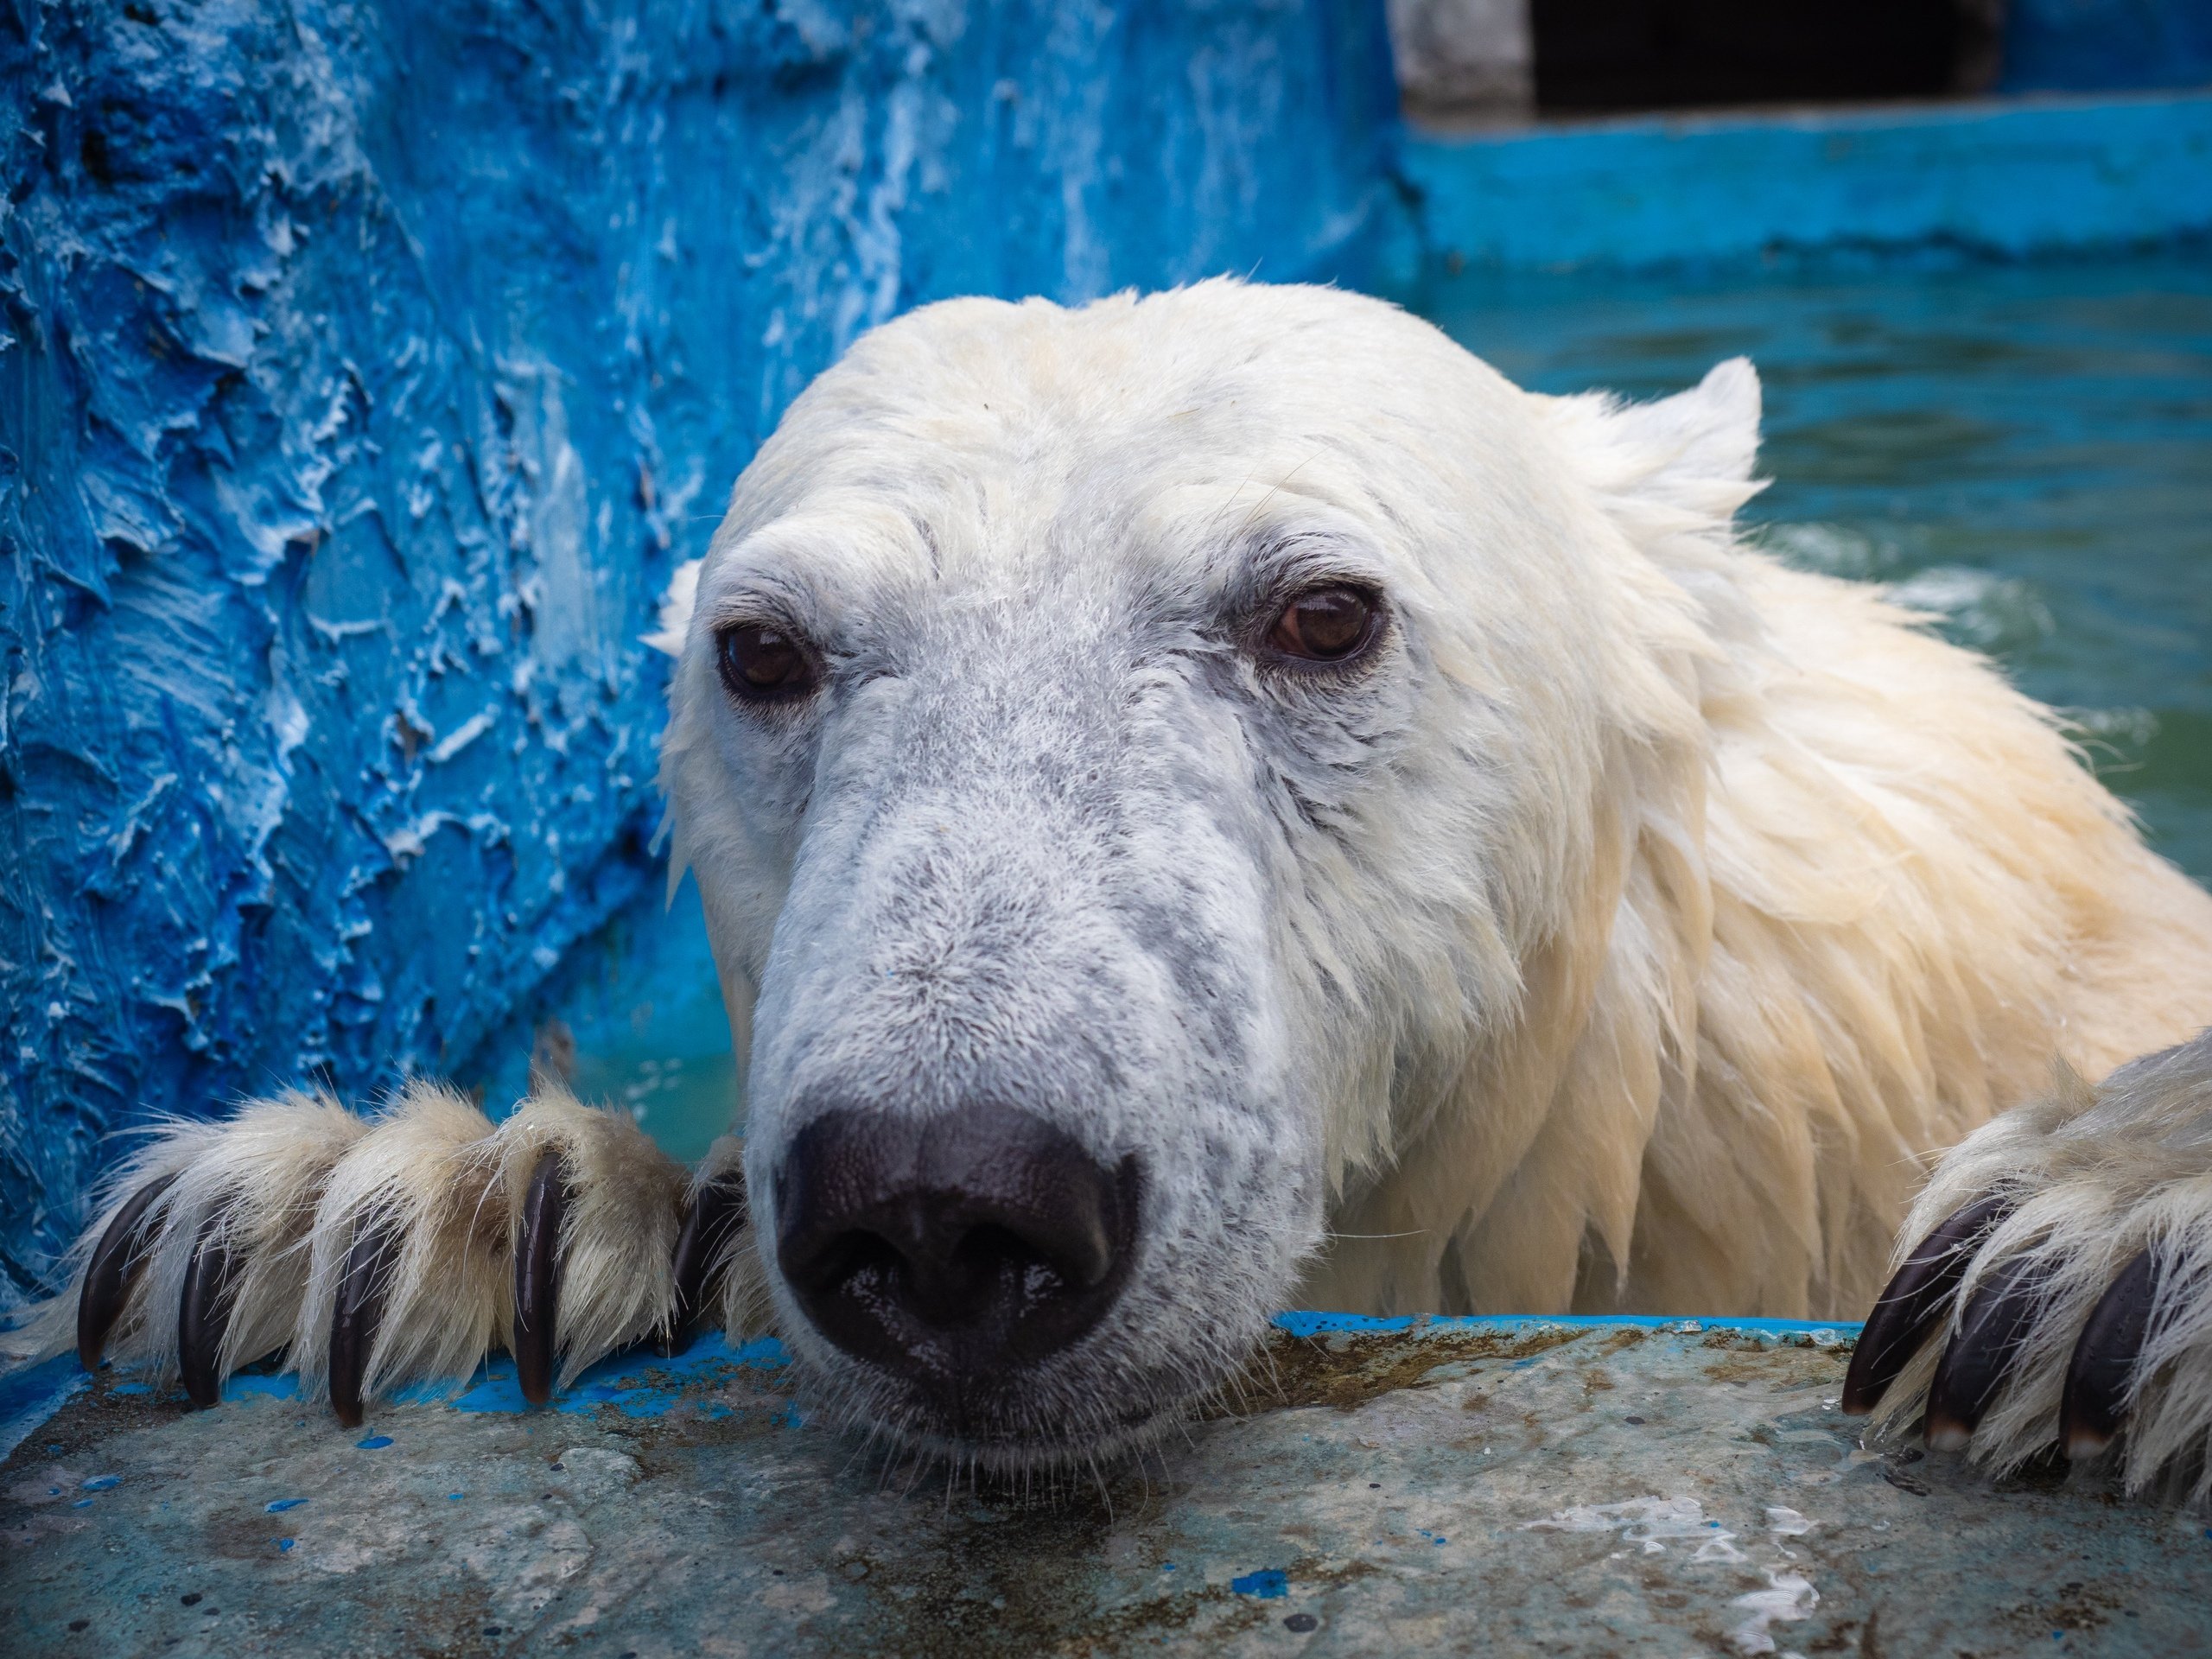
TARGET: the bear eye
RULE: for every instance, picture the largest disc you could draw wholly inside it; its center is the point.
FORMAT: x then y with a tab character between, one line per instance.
1325	625
763	662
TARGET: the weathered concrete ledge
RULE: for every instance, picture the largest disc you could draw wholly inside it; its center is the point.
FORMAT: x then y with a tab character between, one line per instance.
1442	1486
2008	178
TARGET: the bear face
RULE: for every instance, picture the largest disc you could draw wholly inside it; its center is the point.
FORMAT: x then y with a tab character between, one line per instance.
1166	727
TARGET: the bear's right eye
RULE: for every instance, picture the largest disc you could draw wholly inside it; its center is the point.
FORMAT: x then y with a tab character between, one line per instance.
763	662
1325	625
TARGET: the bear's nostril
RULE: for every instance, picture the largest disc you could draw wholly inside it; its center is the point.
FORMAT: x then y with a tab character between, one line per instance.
953	1245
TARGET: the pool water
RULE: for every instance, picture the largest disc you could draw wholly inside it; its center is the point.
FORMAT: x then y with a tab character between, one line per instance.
2025	450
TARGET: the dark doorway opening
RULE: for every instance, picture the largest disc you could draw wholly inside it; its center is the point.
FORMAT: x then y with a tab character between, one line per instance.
1610	57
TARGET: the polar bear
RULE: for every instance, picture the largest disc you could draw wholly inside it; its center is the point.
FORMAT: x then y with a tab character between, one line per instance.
1218	801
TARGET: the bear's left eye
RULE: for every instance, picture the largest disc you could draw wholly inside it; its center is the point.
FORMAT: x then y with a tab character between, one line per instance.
761	663
1325	625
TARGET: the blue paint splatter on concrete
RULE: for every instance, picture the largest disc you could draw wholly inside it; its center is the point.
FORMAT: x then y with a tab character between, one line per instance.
374	1443
369	366
1328	1324
103	1482
636	1387
30	1395
648	1388
278	1505
1267	1584
284	1544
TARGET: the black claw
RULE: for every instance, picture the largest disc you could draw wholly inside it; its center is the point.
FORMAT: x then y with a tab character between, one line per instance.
1913	1301
111	1273
538	1277
2103	1367
360	1310
1991	1333
711	1217
203	1315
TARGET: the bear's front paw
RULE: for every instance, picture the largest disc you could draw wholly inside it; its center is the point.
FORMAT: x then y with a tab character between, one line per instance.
2061	1290
407	1248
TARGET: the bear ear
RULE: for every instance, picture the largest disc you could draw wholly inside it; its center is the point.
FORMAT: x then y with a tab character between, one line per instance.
676	609
1692	452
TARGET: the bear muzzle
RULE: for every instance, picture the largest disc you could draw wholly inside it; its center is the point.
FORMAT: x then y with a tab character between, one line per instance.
952	1249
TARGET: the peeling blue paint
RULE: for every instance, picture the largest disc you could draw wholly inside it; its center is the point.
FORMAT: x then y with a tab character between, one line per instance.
635	1386
1818	1332
366	366
31	1395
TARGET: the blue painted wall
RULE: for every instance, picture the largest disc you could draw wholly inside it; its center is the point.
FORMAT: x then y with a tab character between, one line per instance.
2004	179
363	370
2106	45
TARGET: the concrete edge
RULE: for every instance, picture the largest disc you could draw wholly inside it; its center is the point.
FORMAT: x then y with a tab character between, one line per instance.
2004	178
648	1385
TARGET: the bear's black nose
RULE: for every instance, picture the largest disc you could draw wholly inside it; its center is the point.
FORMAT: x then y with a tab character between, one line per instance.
950	1248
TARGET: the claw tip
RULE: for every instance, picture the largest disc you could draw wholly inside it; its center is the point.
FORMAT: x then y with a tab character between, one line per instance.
2084	1443
1948	1434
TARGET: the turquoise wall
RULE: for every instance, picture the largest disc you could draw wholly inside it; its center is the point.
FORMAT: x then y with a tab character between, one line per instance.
2106	45
1994	179
365	367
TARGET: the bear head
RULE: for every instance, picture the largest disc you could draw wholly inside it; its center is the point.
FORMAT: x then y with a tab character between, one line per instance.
1143	766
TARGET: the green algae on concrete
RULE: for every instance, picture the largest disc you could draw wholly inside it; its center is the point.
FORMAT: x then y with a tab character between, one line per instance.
1440	1486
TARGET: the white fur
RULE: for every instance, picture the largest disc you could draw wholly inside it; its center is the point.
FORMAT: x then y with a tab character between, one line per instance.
2099	1175
293	1181
429	1168
1630	932
257	1180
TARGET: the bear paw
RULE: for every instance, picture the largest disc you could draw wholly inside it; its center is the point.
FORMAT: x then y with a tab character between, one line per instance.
407	1248
2061	1288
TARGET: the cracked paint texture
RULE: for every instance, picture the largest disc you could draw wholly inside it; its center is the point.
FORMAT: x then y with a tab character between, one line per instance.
364	369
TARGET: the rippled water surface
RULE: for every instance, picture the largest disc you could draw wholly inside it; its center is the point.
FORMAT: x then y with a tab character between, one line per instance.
2025	449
